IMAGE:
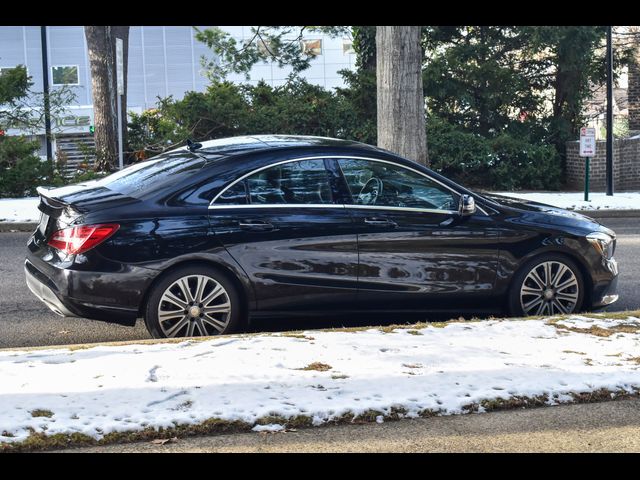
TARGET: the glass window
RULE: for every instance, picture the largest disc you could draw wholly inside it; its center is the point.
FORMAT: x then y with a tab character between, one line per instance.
301	182
312	47
384	184
65	75
234	195
142	178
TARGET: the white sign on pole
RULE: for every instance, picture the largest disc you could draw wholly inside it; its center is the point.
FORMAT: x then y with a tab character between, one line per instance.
587	142
120	65
120	84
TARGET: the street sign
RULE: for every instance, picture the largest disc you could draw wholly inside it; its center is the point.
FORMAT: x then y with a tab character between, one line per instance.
587	149
587	142
120	65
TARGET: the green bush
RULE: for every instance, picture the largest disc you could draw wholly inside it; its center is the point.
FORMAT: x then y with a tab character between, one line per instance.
508	160
226	109
21	170
505	162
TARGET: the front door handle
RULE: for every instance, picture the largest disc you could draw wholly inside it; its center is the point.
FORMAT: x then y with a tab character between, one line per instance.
255	225
380	222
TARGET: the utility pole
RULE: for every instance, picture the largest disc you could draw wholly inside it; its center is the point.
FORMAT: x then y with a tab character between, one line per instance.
609	113
45	87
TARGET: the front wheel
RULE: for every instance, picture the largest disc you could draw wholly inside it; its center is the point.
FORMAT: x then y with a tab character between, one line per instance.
193	301
547	285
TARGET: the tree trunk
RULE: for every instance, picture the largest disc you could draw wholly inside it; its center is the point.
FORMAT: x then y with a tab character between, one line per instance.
401	114
633	92
102	60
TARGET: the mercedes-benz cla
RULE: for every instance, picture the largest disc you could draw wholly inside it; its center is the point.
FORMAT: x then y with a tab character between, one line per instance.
198	239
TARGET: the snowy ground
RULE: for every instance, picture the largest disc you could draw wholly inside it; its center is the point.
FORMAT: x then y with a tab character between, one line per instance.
26	209
322	375
575	200
19	210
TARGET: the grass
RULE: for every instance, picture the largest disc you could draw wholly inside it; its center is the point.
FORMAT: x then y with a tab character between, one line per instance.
317	366
41	413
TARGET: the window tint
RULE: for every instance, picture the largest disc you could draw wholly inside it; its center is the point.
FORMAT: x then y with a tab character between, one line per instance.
384	184
301	182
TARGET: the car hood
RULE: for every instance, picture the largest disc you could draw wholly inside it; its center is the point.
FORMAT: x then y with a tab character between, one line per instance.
547	214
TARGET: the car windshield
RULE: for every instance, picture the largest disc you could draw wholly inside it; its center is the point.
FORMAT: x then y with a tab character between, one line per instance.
143	178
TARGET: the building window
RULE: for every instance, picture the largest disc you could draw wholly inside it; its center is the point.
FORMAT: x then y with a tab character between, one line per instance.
8	69
312	47
347	47
65	75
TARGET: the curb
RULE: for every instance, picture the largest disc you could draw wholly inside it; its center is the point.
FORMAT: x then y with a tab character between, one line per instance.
30	227
609	213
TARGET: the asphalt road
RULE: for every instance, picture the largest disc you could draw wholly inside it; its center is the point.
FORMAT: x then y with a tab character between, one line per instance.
25	321
594	427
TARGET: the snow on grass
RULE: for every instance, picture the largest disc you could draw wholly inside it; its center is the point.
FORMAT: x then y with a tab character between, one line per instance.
263	379
575	200
19	210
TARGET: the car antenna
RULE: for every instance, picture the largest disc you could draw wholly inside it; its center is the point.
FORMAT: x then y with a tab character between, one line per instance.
193	146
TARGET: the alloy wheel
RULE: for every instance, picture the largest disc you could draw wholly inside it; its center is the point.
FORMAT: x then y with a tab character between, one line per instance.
194	305
550	288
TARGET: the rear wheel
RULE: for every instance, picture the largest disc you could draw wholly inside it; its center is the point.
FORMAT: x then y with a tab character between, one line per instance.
193	302
547	285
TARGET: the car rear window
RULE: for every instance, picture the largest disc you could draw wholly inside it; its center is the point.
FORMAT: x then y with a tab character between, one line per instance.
147	177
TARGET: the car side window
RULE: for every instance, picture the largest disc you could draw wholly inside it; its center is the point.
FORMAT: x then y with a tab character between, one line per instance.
236	194
388	185
299	182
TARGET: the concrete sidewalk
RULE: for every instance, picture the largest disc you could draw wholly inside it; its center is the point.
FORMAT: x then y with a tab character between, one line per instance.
593	427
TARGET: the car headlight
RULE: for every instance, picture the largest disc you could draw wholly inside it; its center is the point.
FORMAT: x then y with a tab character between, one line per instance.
603	243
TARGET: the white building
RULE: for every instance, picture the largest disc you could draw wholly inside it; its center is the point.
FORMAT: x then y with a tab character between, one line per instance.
163	61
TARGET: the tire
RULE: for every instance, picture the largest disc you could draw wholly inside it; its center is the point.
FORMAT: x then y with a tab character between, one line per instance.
526	296
223	313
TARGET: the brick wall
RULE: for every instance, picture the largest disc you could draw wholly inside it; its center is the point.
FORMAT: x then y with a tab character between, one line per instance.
626	166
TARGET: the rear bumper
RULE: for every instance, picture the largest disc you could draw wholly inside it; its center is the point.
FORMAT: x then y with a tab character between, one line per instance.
107	296
42	288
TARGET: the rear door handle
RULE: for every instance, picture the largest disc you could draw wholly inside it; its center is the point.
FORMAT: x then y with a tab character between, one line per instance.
255	225
380	222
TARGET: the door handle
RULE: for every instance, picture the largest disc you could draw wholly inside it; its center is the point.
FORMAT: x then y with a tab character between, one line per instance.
380	222
255	225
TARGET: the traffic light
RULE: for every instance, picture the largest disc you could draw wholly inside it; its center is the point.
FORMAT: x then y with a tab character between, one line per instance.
92	129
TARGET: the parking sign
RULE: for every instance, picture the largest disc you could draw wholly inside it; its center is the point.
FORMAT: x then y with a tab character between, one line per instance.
587	142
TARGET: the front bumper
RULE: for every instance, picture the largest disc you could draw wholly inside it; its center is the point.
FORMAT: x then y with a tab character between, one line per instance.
606	293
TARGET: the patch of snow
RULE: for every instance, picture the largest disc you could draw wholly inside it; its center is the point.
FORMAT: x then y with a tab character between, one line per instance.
575	200
128	388
272	427
19	210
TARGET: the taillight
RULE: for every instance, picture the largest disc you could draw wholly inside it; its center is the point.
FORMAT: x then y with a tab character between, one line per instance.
79	239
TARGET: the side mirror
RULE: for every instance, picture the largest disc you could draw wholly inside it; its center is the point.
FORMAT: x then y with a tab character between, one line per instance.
467	206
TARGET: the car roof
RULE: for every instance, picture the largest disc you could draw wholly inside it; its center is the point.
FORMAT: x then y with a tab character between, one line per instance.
224	147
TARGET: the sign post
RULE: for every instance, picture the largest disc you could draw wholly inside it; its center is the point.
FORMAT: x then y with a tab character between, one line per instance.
587	149
120	84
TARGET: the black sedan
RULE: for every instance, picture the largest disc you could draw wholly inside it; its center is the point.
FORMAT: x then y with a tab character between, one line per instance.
200	238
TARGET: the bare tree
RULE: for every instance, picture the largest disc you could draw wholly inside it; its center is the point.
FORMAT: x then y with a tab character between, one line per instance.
102	59
401	113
